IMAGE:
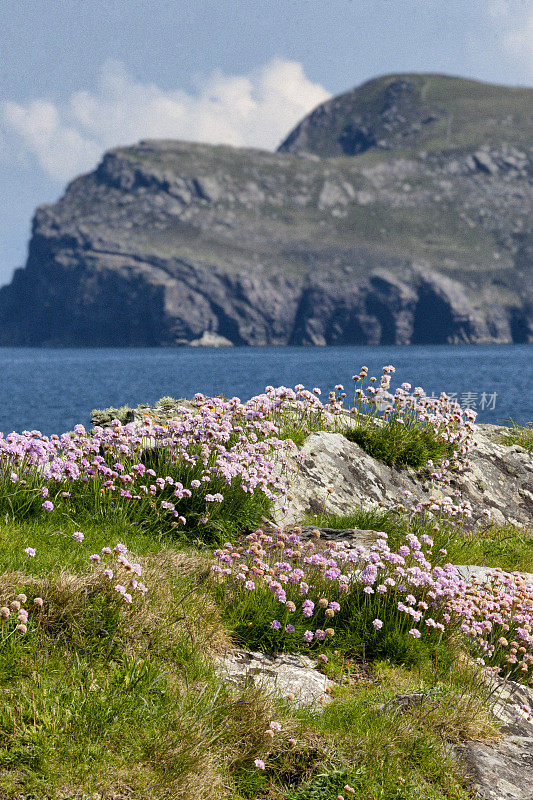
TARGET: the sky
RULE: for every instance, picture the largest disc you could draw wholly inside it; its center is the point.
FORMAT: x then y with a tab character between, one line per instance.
78	77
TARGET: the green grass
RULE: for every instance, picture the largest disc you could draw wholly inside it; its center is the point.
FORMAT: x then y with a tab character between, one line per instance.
507	546
522	435
102	697
57	551
400	445
400	755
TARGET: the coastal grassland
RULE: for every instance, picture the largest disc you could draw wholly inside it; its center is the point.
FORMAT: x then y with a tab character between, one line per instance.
390	740
115	606
101	696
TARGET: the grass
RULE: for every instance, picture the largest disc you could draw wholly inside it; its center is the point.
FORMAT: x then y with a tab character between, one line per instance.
507	546
99	697
521	435
104	697
400	446
400	755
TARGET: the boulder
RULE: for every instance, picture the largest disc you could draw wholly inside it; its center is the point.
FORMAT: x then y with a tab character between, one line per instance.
336	475
503	770
289	675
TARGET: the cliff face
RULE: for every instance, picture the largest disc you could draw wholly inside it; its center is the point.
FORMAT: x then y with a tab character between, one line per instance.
167	240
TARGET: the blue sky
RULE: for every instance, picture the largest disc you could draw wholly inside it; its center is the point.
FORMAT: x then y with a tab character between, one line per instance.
80	76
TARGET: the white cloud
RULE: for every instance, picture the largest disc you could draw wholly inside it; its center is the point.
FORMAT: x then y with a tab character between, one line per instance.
513	21
256	110
60	149
519	41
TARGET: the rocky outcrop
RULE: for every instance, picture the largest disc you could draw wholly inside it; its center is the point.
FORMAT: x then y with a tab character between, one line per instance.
504	770
170	243
394	112
337	476
292	676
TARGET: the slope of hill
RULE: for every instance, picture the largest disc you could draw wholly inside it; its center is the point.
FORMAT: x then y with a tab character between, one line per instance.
420	233
438	113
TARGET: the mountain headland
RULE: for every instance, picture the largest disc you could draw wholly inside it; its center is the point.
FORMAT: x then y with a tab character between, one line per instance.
399	212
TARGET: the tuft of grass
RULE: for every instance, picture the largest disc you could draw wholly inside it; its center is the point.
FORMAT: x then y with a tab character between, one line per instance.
104	416
400	445
521	435
393	733
507	546
101	697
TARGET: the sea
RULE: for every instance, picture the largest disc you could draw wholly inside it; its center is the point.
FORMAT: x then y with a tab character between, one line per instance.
51	390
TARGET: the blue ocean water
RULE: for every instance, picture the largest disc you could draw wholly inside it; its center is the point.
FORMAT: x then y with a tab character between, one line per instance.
53	389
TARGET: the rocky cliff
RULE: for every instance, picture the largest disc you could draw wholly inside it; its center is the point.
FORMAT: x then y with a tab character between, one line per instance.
399	213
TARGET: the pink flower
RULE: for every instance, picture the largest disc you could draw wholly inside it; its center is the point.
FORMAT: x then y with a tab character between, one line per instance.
259	764
95	558
378	624
30	551
308	608
47	505
415	633
78	535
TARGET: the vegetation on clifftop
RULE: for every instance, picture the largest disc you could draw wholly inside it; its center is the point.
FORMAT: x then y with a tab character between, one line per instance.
114	608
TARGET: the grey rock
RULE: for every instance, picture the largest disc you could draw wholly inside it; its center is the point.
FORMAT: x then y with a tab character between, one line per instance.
208	339
336	475
355	536
504	770
469	571
287	674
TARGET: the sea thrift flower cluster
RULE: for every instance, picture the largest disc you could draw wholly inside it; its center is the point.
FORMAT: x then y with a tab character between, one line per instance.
293	573
119	568
401	590
497	614
450	423
15	611
218	443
